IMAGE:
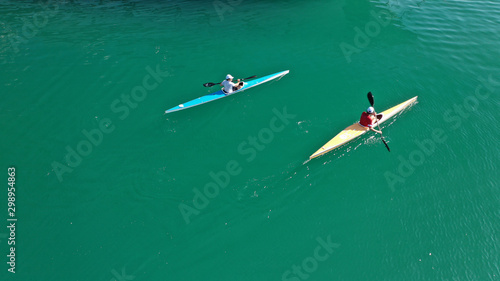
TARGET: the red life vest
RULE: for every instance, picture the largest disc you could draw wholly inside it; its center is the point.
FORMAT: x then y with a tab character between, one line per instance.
366	120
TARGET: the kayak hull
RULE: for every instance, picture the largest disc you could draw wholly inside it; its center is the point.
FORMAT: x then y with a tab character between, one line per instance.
355	130
220	94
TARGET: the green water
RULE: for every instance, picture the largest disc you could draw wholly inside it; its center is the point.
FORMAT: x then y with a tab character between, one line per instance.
108	187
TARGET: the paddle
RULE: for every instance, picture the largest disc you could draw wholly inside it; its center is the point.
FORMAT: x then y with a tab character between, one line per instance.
213	84
372	102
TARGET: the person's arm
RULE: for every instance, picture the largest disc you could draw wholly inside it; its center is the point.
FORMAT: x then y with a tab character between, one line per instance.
376	131
375	115
374	122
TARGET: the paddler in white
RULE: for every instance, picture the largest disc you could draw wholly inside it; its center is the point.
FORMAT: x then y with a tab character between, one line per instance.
229	86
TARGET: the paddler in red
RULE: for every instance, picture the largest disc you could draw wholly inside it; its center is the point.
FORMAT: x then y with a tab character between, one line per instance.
370	118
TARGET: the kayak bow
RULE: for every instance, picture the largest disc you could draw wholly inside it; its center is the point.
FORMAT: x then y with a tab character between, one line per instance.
356	130
220	94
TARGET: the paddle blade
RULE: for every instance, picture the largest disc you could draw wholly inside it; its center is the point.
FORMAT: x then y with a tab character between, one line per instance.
370	98
387	146
209	84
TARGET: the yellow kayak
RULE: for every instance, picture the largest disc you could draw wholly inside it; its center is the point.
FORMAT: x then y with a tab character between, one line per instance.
356	130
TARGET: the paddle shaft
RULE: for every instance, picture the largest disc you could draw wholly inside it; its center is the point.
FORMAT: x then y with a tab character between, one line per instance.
213	84
372	102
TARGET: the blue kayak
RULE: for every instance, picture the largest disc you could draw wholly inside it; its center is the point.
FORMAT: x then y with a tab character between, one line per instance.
220	94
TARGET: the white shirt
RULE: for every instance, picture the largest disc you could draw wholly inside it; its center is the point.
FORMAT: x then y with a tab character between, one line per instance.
228	86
